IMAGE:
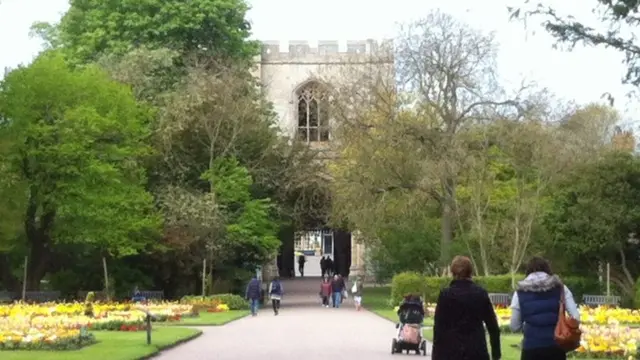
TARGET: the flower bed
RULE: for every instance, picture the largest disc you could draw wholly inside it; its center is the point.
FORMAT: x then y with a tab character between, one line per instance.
18	335
64	326
608	341
611	333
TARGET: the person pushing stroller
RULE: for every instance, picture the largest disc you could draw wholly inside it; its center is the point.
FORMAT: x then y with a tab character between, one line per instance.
411	312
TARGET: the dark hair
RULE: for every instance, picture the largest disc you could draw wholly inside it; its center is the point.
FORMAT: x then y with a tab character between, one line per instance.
461	267
538	264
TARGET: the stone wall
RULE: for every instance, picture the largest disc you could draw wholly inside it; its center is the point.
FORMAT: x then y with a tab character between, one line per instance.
286	67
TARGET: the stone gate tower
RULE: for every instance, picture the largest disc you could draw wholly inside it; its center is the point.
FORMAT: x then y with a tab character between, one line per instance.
291	74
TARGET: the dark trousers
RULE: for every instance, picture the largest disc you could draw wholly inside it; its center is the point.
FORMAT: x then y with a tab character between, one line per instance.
546	353
323	271
325	300
301	269
276	305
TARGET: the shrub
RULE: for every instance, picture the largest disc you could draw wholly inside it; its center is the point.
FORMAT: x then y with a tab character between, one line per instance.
406	283
433	285
636	299
234	302
499	284
430	286
582	285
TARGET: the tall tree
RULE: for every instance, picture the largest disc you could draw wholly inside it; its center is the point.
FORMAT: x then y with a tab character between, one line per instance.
93	28
595	215
79	142
445	83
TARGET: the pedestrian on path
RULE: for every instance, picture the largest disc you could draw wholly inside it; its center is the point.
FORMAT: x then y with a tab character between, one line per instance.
254	288
275	293
323	266
462	312
325	291
337	287
301	261
356	291
329	264
536	303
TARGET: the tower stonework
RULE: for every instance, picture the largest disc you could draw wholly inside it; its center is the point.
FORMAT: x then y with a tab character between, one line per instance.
284	68
288	72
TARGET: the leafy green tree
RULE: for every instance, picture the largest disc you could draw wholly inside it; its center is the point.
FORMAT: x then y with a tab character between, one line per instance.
410	140
93	28
595	215
79	146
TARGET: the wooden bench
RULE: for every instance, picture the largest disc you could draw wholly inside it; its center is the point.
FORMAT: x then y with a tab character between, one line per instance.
8	297
42	296
152	294
500	299
598	300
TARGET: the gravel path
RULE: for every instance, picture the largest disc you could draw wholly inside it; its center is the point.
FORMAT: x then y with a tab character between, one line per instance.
298	333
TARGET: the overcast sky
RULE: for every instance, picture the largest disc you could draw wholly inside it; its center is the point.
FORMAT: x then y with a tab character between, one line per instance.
582	75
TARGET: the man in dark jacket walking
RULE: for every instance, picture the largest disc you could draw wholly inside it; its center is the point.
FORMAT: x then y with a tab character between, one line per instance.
254	289
323	266
462	312
301	261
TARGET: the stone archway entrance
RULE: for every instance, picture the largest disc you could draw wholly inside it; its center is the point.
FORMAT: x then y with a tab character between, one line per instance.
303	291
314	243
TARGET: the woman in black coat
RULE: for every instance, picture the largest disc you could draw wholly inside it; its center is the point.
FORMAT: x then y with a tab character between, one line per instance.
462	309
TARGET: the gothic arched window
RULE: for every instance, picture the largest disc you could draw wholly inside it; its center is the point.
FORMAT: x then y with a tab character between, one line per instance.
313	114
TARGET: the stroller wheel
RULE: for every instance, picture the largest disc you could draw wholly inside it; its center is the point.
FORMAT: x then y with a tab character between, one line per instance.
423	348
394	346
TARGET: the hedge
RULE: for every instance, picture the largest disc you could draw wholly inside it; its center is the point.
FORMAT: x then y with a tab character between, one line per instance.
430	286
234	302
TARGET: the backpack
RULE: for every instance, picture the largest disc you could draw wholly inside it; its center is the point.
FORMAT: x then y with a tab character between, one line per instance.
275	288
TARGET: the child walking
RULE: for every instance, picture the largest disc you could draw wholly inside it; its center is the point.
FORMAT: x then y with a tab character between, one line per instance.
325	291
356	290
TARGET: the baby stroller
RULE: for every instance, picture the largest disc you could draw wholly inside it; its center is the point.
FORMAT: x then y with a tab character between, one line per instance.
409	338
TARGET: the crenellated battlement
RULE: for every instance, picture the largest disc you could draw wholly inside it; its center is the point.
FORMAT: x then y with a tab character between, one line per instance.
302	50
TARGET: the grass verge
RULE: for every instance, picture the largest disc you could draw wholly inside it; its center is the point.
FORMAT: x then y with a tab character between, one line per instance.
211	319
115	345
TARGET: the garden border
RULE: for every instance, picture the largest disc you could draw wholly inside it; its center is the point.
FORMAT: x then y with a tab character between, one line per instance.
171	346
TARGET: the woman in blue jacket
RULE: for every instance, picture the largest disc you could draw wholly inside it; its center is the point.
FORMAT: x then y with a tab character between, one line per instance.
535	307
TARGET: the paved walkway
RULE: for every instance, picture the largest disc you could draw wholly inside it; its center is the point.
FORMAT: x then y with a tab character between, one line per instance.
298	333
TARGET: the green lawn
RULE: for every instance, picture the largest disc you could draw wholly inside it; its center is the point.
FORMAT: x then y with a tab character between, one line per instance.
211	319
114	345
376	300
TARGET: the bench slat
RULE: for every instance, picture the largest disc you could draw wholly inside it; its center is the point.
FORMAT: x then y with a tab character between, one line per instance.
600	300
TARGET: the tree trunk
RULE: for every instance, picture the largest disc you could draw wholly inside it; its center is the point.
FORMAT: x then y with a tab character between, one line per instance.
447	220
38	229
6	274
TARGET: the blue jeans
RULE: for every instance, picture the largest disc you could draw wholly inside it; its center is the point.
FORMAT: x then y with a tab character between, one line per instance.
337	299
254	306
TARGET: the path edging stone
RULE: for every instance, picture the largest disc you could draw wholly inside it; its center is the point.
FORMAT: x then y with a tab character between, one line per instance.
171	346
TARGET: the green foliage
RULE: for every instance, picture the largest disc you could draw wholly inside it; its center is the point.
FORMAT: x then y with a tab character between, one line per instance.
407	234
636	299
79	145
429	287
92	28
88	304
251	229
596	209
234	302
407	283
